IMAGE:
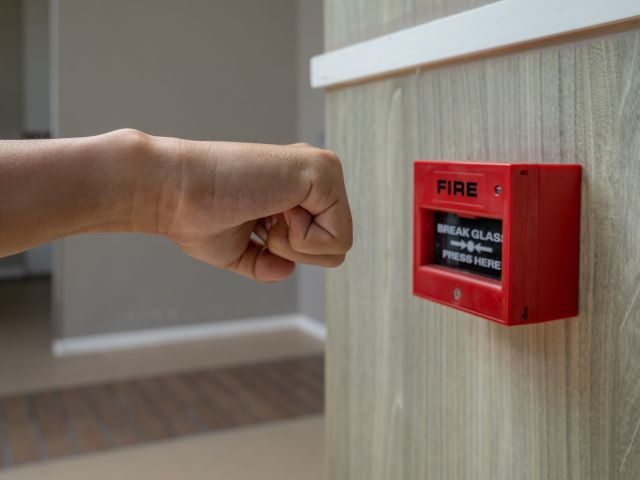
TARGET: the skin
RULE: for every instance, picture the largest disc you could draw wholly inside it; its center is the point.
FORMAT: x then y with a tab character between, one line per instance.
253	209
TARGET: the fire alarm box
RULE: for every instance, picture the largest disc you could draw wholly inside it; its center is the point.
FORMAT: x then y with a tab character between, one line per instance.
498	240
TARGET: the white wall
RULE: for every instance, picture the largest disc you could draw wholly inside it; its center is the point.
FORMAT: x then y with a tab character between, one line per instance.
193	68
310	128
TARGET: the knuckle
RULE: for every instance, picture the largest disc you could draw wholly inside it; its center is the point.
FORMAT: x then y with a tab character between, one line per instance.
324	169
275	247
335	260
330	159
278	245
324	161
344	239
347	243
297	243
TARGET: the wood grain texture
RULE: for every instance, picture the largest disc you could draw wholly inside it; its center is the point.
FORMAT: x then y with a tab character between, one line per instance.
490	30
420	391
352	21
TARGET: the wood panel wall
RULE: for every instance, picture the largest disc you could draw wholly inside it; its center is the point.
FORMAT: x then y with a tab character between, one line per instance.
352	21
420	391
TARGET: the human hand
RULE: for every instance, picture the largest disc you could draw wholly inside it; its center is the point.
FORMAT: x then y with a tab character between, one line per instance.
256	209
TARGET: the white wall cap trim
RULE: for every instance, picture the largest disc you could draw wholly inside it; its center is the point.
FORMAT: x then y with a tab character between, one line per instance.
499	25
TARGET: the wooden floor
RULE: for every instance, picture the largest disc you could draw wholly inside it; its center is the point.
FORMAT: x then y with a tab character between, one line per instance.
61	422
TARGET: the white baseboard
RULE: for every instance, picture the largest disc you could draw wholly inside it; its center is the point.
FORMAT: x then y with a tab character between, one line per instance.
312	327
162	336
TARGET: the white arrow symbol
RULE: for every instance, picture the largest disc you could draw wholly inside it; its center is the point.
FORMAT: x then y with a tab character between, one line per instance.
481	248
462	245
471	246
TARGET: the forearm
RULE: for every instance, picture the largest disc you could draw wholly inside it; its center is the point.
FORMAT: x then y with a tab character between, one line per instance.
208	197
56	188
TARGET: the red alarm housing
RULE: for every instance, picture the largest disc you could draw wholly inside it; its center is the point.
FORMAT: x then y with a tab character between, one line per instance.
498	240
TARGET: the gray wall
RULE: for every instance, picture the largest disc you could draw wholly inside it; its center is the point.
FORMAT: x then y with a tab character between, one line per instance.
10	69
10	98
310	128
198	69
309	101
35	55
35	99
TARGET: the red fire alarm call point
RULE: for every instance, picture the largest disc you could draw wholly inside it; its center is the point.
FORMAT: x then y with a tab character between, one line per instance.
498	240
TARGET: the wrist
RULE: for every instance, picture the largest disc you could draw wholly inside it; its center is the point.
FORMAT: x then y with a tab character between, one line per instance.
135	181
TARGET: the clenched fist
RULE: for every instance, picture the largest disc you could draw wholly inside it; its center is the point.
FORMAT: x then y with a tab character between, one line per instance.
258	209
